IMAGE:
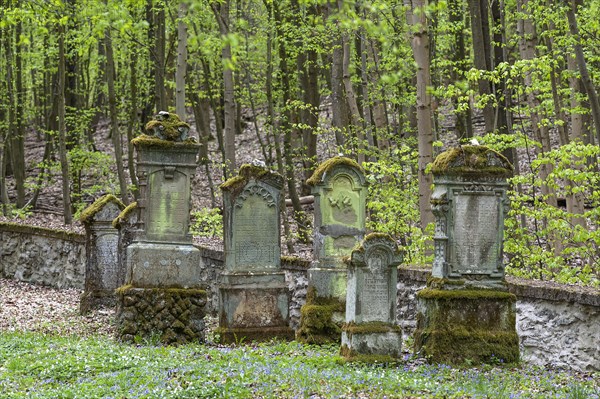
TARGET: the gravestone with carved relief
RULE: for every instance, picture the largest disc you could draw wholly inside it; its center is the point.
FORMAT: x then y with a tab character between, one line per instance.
253	296
339	188
466	312
371	331
162	292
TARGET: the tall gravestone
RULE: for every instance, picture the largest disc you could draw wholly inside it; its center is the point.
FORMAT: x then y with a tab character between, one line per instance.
253	296
466	312
162	293
103	274
339	188
370	331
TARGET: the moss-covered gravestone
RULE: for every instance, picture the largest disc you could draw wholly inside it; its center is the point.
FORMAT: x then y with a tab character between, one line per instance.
103	274
253	296
466	312
162	296
338	186
370	331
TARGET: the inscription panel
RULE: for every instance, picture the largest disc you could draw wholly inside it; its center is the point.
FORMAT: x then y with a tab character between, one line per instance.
255	234
375	293
106	258
476	234
168	205
341	203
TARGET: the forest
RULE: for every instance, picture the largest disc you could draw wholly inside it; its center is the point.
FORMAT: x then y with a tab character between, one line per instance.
389	83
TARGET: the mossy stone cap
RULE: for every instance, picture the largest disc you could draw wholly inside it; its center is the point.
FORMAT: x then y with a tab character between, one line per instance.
88	214
248	172
475	160
326	166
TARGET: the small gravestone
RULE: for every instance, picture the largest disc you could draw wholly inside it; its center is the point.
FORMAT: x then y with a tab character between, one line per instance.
126	224
466	312
103	274
370	331
339	188
253	296
162	295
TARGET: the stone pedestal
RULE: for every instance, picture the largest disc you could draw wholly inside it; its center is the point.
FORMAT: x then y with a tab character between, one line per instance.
370	332
103	273
253	296
466	312
162	296
338	186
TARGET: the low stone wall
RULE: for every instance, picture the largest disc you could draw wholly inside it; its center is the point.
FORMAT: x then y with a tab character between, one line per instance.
557	325
42	256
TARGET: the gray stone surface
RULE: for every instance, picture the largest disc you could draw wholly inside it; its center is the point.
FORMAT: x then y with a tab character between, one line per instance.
42	256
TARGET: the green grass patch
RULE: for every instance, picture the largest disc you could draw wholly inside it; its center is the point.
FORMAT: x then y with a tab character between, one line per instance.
49	366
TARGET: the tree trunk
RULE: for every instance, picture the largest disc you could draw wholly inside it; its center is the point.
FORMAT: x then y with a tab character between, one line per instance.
180	74
417	18
159	52
62	128
222	14
133	92
339	117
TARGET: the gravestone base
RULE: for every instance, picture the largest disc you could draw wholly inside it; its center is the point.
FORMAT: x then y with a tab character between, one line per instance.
163	265
458	326
91	300
169	315
321	319
332	281
372	341
254	307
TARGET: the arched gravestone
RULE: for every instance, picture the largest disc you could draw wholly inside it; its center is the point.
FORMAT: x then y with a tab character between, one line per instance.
103	273
370	327
466	311
253	296
339	188
162	292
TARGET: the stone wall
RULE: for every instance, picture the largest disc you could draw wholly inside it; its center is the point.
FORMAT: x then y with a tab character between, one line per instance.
557	325
42	256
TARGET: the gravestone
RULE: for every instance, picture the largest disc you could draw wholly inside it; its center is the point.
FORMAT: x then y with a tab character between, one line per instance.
338	186
162	292
126	224
253	296
466	311
103	274
370	331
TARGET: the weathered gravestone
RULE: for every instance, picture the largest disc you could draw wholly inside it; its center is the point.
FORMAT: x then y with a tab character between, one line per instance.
466	312
103	274
253	296
162	293
370	331
126	224
338	186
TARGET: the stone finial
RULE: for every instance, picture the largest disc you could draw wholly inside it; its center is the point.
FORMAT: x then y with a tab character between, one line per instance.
472	160
168	126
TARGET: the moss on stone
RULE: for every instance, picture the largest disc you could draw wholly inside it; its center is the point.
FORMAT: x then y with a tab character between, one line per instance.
151	141
316	319
350	356
247	335
42	231
247	172
326	166
170	124
124	215
472	294
89	212
471	160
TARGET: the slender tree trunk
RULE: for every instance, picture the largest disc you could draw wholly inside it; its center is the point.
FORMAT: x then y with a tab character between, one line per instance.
586	80
62	128
222	14
417	18
340	118
18	140
180	74
159	51
114	121
133	118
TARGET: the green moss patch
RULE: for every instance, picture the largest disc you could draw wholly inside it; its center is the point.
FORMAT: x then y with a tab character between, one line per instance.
350	356
372	327
151	141
124	215
472	160
89	212
169	125
324	167
316	319
247	172
42	231
431	293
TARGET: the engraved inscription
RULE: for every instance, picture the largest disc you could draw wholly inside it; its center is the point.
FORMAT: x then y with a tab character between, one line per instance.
476	238
106	252
375	293
342	202
168	205
255	234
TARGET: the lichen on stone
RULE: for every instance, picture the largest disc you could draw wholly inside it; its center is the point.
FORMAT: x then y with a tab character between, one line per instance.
89	212
167	126
248	172
124	215
472	160
329	164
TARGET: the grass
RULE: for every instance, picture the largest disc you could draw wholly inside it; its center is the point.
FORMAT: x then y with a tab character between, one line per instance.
34	365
